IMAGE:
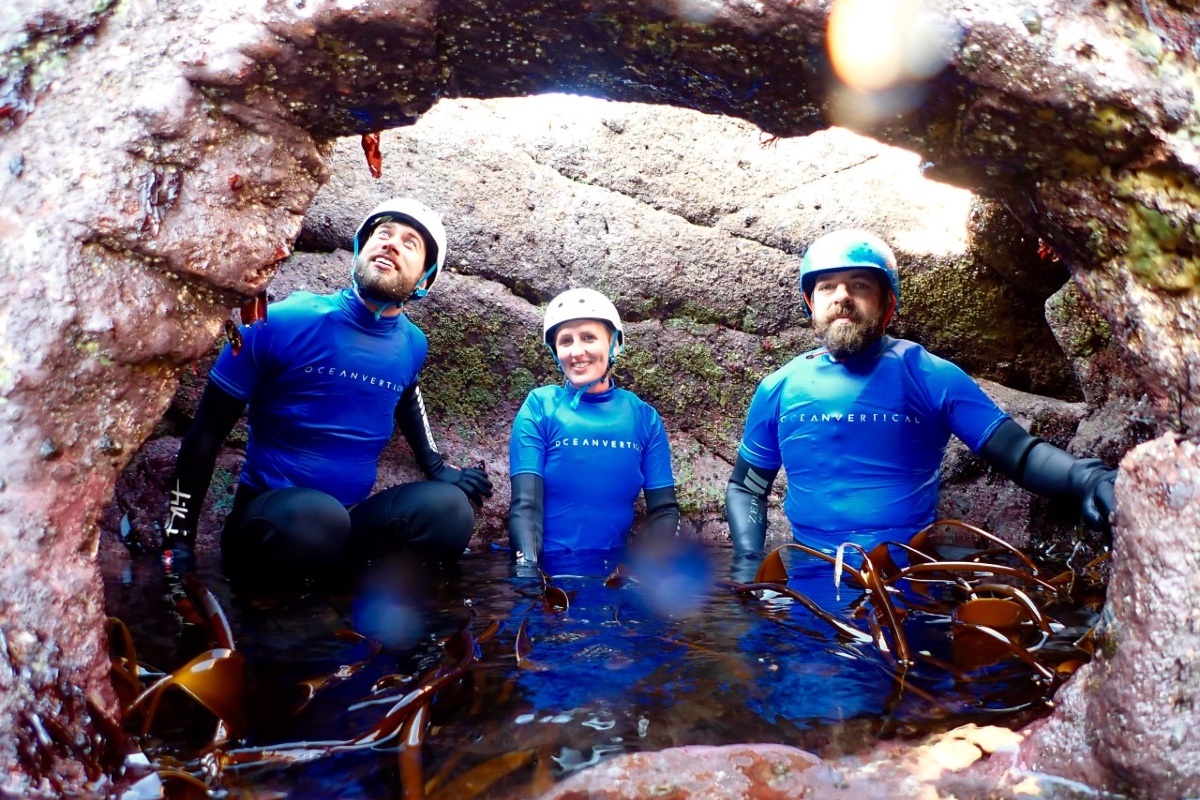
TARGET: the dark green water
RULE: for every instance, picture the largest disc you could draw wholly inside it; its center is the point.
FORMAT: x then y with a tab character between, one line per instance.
671	659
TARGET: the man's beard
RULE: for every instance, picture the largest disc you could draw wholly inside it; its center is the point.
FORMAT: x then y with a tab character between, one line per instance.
851	338
382	287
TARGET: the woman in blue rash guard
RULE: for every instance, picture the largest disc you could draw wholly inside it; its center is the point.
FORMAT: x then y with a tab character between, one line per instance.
581	452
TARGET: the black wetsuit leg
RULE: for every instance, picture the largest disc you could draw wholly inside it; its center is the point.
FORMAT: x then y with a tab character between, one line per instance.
285	535
430	519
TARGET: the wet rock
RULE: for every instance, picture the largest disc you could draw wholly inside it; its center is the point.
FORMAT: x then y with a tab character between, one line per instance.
564	200
946	766
713	773
1127	719
141	501
121	250
544	195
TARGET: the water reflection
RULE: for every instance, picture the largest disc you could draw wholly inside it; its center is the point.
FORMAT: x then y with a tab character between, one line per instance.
667	658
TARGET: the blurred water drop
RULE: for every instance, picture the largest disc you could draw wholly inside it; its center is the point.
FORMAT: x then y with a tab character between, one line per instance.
389	607
674	576
599	724
882	52
700	12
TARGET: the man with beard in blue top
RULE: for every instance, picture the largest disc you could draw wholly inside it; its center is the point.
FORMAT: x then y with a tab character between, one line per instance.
861	424
326	380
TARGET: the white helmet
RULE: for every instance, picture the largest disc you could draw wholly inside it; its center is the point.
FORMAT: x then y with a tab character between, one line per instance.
424	220
583	304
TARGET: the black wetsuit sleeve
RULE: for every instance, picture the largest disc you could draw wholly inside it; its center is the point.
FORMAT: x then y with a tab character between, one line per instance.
746	506
215	417
1041	467
526	517
662	513
413	423
1007	449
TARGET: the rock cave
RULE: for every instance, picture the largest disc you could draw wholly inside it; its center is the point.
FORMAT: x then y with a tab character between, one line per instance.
161	164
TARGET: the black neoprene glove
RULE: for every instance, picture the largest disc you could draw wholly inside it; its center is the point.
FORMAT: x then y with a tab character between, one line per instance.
414	425
743	568
526	520
472	480
1041	467
1092	482
662	513
216	415
746	508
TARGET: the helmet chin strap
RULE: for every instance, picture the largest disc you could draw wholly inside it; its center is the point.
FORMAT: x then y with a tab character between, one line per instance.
583	390
418	292
586	387
384	305
358	290
888	314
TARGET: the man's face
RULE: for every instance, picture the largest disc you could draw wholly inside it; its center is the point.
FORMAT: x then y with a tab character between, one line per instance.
847	309
390	263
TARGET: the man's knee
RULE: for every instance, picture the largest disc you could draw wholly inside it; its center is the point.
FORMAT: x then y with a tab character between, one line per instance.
433	520
449	520
293	531
448	505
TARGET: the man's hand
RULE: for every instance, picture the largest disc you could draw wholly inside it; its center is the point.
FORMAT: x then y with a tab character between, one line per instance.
472	480
1043	468
178	555
744	567
1094	483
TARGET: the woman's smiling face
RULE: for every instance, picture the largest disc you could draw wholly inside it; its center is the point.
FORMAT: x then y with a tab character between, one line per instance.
582	347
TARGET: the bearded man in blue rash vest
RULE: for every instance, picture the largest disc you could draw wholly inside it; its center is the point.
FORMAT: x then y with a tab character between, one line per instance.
327	379
861	424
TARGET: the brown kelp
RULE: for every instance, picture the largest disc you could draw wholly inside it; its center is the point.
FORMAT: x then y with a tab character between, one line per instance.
998	602
370	146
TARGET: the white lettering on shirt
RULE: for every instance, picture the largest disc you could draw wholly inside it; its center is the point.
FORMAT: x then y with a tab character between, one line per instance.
615	444
876	418
362	377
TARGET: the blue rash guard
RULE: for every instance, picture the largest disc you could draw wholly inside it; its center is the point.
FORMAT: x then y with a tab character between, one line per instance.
862	440
593	460
322	378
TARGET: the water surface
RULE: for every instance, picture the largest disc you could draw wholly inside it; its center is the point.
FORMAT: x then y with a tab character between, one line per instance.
675	658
